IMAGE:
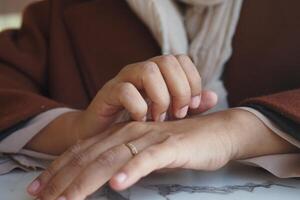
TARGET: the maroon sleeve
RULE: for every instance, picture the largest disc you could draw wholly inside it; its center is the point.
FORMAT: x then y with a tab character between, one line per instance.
23	68
286	103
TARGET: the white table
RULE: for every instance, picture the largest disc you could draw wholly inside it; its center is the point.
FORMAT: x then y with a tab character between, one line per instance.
235	182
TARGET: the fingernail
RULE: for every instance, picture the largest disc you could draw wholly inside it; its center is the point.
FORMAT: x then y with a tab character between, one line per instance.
182	112
34	187
195	102
162	117
144	119
62	198
121	177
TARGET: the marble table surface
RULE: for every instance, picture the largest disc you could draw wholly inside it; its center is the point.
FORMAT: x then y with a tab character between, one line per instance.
234	182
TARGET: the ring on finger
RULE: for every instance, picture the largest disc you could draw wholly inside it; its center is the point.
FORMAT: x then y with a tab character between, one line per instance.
134	151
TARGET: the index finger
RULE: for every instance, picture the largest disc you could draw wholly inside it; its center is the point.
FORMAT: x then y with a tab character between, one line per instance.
97	173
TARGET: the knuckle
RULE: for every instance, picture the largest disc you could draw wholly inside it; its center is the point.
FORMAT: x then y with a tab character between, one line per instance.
77	187
184	58
150	68
133	129
107	159
78	160
109	86
75	149
125	88
168	59
151	153
49	172
133	126
52	190
173	140
154	136
186	61
125	69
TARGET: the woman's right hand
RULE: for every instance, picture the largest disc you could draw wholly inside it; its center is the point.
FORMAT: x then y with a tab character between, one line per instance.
172	84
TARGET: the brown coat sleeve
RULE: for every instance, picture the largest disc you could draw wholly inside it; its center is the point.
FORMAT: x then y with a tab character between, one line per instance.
286	104
23	68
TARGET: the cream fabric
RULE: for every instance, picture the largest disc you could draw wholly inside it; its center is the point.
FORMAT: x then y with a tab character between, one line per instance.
281	165
204	32
13	144
12	152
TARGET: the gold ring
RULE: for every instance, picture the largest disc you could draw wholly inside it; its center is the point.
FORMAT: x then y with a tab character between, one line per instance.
132	148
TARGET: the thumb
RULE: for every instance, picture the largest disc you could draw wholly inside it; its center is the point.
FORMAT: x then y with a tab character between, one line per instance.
209	99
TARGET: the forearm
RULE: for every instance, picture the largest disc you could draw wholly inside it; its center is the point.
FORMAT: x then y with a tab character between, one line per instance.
57	136
251	137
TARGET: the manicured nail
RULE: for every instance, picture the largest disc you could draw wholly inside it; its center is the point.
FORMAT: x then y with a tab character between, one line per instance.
120	177
62	198
182	112
195	102
34	187
162	117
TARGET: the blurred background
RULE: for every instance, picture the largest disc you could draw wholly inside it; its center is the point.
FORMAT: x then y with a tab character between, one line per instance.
10	12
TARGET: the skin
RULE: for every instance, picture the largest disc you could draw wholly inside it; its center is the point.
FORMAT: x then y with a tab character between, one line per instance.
201	143
171	83
98	155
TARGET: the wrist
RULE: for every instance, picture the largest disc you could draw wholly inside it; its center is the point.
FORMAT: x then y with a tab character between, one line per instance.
250	137
57	136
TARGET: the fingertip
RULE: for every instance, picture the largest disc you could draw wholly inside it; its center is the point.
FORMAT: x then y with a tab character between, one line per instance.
139	118
195	102
33	188
181	113
160	117
209	100
144	119
118	181
212	97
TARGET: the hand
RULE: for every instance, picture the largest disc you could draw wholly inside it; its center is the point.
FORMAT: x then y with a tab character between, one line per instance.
170	83
203	143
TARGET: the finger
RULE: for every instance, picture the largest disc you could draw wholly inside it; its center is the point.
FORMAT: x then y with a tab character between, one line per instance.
38	184
147	76
108	163
96	173
128	96
101	170
193	77
108	102
209	100
65	175
153	158
177	84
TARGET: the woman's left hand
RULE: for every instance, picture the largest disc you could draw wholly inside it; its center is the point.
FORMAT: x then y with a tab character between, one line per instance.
203	143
